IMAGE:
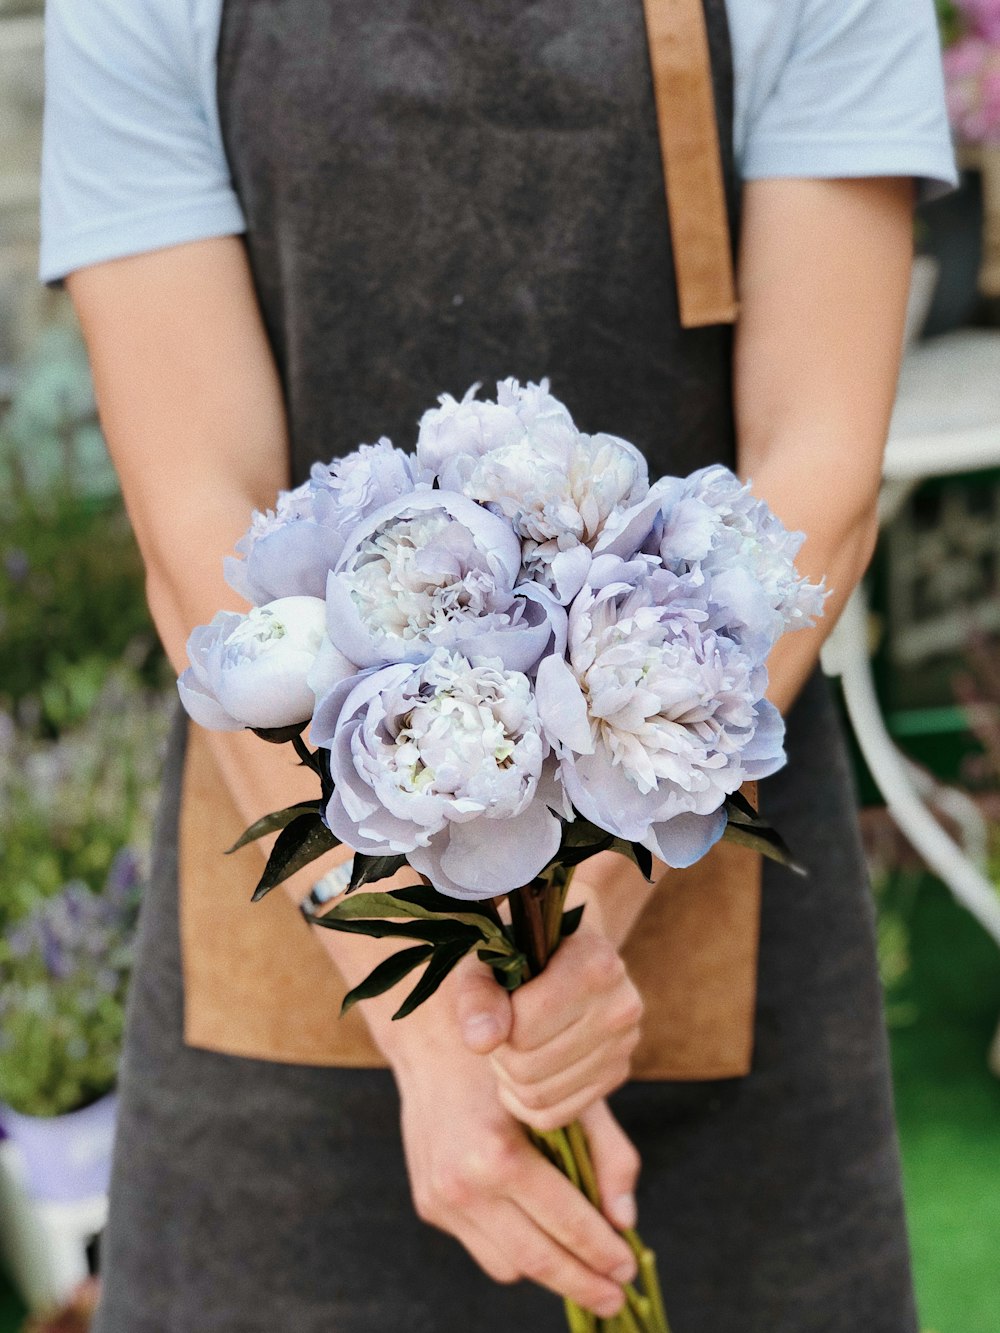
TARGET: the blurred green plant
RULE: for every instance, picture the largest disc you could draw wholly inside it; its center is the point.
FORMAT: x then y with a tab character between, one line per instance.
949	21
72	596
64	973
68	805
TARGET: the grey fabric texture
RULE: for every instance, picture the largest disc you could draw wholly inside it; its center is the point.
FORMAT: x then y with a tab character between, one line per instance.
438	193
250	1196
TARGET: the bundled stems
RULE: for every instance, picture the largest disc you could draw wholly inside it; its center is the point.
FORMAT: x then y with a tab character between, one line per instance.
536	914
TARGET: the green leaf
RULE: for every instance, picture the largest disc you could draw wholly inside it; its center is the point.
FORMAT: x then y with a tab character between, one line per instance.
740	811
305	838
764	839
280	735
635	852
571	921
388	974
434	932
572	856
580	832
367	869
271	823
426	896
445	957
394	905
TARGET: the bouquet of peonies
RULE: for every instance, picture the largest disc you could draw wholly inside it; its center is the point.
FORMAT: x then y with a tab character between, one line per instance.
512	652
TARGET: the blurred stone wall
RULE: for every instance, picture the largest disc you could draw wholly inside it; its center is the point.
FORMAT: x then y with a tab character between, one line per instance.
25	306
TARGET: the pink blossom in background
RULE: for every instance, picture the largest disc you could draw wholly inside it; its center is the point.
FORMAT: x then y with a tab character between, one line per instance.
972	73
983	17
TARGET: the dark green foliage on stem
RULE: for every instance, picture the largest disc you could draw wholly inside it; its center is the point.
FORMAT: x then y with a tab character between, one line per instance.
745	826
387	974
302	841
368	869
272	823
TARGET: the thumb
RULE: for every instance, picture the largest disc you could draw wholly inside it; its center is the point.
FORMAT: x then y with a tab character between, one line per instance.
616	1164
483	1009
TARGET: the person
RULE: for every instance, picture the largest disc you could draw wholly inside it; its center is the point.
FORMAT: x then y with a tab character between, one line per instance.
285	228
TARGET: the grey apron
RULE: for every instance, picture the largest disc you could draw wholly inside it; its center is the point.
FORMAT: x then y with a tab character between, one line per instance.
438	193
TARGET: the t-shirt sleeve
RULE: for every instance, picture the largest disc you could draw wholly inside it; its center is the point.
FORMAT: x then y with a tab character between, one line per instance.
132	156
861	93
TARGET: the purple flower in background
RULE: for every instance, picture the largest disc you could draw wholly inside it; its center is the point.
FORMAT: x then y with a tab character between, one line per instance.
288	551
656	717
16	564
445	761
253	670
434	569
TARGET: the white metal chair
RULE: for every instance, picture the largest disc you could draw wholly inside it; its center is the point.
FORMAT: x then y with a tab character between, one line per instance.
946	421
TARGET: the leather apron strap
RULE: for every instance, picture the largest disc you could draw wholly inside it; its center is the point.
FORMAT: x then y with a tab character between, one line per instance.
692	162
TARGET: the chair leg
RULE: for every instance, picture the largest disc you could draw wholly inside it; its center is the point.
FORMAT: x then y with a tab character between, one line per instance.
891	772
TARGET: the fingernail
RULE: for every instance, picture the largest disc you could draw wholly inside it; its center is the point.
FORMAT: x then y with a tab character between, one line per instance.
609	1308
624	1211
480	1028
625	1272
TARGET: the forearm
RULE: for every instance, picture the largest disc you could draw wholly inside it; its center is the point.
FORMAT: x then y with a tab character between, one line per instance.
824	276
807	489
261	777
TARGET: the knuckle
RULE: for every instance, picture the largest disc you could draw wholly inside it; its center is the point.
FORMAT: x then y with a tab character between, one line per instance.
540	1265
424	1206
603	966
453	1186
500	1160
627	1011
532	1097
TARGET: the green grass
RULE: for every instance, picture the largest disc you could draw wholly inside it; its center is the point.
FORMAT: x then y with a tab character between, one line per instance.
948	1107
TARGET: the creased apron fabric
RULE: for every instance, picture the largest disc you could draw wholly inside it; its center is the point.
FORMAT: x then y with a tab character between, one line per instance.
438	193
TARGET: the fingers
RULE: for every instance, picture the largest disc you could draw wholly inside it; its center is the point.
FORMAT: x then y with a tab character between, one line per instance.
520	1217
565	1215
560	1099
483	1008
584	966
541	1259
616	1163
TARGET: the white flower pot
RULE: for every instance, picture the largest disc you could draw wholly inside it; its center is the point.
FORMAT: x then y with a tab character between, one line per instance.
65	1157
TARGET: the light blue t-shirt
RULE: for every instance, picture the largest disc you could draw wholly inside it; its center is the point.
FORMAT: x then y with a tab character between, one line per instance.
133	157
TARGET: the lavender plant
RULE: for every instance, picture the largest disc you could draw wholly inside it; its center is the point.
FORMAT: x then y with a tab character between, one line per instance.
64	972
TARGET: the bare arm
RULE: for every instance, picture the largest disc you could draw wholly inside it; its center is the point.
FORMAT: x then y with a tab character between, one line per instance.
192	411
824	278
824	275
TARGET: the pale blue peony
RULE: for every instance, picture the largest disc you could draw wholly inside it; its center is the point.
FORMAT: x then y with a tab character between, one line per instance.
524	459
453	435
253	670
445	762
655	716
434	569
288	551
718	524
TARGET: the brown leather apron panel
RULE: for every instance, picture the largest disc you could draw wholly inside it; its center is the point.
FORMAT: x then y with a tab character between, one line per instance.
258	983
